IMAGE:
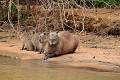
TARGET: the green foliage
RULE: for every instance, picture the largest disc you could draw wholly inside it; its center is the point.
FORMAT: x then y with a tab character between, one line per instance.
102	3
13	11
3	13
99	3
13	6
23	14
5	17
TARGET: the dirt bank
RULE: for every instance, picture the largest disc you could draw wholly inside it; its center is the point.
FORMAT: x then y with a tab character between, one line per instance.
94	52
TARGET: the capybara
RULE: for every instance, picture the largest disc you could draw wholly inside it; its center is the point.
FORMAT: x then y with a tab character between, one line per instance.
26	41
35	41
42	41
60	43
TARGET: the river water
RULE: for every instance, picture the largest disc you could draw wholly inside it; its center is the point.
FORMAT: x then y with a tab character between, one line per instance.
12	69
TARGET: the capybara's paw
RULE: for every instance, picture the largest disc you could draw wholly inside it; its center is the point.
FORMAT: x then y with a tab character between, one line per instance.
45	58
21	49
39	53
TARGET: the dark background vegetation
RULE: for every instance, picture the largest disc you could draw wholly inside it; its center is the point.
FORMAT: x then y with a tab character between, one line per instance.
27	15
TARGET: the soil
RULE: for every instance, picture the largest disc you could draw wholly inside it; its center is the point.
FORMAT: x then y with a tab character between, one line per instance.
101	53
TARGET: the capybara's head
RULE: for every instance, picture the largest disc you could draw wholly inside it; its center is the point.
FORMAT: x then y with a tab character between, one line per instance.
21	30
53	38
42	37
21	33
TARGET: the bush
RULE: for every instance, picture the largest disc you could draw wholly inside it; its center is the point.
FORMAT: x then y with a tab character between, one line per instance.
102	3
98	3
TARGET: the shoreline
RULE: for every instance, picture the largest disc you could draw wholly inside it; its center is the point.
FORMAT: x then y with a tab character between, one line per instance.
90	58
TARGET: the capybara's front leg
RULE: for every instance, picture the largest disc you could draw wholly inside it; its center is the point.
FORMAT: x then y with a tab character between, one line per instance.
22	48
35	49
45	58
48	56
40	51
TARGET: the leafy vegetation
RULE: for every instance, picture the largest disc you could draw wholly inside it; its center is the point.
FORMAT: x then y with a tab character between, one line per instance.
102	3
98	3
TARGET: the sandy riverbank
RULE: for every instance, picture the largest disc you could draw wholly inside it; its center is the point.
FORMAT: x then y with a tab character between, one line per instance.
96	53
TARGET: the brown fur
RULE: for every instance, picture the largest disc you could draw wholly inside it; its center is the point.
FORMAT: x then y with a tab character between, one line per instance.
42	42
26	42
35	41
65	43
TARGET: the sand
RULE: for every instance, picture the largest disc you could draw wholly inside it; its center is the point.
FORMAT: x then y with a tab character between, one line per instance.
94	52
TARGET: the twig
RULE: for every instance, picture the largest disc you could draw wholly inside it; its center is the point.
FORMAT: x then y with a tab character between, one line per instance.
9	13
73	17
18	17
61	16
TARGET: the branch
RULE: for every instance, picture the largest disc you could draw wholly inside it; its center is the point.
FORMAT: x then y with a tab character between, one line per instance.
9	13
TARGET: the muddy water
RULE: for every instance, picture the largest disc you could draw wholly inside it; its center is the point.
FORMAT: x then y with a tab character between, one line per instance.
12	69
